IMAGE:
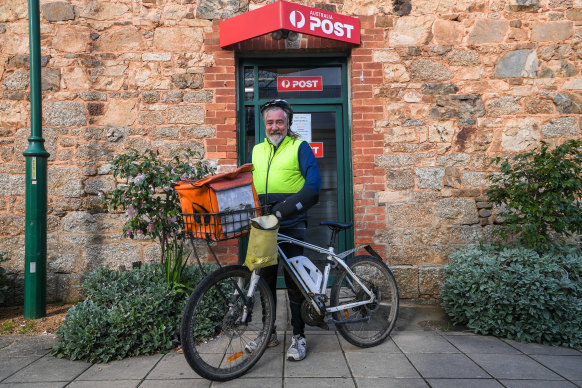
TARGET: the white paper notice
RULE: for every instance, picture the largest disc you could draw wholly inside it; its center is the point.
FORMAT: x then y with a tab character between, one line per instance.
302	126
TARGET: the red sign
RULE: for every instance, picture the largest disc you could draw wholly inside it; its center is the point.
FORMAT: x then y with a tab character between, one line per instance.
317	149
293	84
292	17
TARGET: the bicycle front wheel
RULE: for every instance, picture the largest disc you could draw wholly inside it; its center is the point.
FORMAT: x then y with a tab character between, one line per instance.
367	325
219	323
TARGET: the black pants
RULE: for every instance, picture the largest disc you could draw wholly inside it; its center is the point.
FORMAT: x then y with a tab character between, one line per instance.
295	296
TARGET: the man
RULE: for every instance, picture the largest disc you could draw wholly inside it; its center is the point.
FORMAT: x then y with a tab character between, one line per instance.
287	177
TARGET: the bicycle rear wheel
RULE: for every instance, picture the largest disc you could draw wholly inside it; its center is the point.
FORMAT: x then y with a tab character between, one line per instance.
370	323
214	331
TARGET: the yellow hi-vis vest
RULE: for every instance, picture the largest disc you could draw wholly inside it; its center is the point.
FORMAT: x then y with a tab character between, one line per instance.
281	167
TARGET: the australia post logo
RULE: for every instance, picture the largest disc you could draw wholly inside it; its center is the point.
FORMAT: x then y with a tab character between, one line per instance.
322	23
294	84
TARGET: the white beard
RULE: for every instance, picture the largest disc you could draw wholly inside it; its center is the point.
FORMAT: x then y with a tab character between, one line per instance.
276	139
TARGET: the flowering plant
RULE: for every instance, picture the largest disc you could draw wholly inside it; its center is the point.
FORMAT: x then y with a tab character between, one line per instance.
147	197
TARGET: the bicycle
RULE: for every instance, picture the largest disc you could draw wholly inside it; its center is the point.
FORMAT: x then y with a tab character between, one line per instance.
235	306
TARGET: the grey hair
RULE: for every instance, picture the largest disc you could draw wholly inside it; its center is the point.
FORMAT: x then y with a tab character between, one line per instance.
290	133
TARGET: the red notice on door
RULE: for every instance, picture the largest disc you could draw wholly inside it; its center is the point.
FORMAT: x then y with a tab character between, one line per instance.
294	84
317	149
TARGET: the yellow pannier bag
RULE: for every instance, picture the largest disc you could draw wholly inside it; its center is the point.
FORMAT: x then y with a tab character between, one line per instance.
262	249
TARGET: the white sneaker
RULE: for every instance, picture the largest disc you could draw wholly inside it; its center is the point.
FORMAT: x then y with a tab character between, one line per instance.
256	343
298	348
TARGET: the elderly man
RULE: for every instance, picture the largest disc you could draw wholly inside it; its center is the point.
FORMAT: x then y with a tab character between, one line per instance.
287	177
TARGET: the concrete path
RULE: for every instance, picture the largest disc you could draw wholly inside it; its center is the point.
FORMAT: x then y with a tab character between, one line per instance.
424	351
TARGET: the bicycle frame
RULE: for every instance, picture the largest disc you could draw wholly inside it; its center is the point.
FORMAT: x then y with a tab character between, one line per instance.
312	295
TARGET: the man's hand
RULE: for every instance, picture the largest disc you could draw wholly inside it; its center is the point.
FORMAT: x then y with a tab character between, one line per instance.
296	203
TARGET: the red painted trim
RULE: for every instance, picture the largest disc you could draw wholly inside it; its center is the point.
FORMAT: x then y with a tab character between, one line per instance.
292	17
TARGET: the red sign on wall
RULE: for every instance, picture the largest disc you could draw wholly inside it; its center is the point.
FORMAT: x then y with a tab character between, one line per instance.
292	17
293	84
317	149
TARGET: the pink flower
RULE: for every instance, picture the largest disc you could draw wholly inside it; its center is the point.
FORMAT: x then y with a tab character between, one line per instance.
131	212
150	228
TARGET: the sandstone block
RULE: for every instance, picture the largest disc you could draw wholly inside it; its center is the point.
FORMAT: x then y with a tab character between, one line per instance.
198	96
385	56
558	68
395	160
122	39
94	151
11	10
58	11
518	63
167	150
150	118
441	132
552	32
93	96
188	81
150	97
407	279
100	10
186	114
430	178
475	179
429	70
65	182
113	255
524	5
430	279
458	211
220	9
178	39
573	84
400	135
539	106
395	73
462	106
198	132
568	103
120	113
71	39
503	106
170	133
18	80
14	44
400	180
453	160
12	185
439	88
50	136
447	32
50	79
64	113
173	97
99	184
458	57
488	31
561	127
520	135
411	31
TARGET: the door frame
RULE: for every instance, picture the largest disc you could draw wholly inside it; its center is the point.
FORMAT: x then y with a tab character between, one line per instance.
340	105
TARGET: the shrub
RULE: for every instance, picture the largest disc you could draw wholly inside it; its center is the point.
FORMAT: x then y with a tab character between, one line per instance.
3	285
151	204
516	293
540	193
124	314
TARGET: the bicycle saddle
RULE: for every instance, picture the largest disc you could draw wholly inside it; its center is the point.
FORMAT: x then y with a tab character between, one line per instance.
336	225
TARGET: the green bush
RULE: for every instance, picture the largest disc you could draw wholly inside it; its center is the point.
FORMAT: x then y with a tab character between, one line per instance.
539	193
124	314
516	293
3	285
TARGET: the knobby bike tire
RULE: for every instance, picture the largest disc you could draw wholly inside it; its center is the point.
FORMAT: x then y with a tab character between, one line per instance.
214	339
380	317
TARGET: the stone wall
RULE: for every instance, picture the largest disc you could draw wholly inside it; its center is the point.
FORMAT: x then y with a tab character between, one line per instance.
437	89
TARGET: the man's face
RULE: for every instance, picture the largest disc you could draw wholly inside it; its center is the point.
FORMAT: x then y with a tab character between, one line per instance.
276	125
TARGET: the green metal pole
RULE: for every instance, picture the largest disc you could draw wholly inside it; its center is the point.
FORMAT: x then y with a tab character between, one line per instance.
36	183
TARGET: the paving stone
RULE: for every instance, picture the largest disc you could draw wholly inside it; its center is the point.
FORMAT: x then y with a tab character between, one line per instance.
183	383
437	365
318	364
58	384
173	365
320	382
99	384
133	368
411	342
49	369
391	383
537	384
533	348
481	344
569	367
383	365
27	346
513	366
388	346
10	365
270	365
319	343
458	383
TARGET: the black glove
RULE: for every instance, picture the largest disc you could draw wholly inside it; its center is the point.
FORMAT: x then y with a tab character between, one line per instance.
296	203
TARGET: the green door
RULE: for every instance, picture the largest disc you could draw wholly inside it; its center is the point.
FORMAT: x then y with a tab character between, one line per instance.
320	117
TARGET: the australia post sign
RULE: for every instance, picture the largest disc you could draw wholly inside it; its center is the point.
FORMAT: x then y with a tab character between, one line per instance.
292	17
